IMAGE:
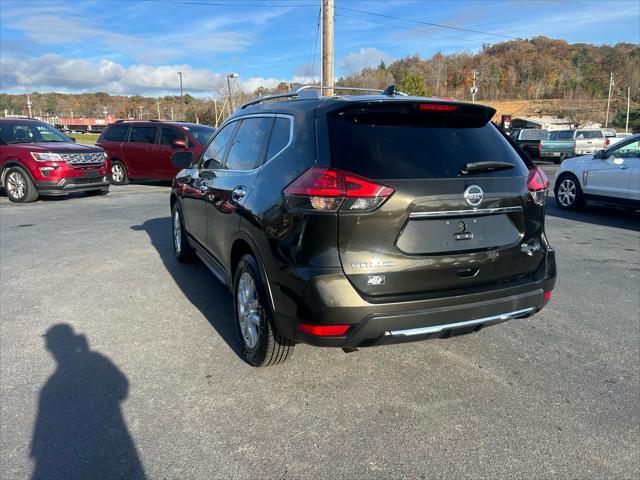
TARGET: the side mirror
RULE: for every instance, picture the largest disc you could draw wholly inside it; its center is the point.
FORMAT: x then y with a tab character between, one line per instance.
599	154
182	160
179	144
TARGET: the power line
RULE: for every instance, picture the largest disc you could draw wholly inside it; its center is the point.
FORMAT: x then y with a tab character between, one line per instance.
315	44
439	25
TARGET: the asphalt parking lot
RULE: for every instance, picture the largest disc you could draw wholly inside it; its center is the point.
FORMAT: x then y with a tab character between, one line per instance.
149	383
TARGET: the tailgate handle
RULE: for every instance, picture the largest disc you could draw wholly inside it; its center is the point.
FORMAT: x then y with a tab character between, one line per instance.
467	272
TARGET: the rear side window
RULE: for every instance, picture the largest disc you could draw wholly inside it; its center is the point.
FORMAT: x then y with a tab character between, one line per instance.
169	135
280	136
248	147
583	134
391	147
143	135
116	133
534	134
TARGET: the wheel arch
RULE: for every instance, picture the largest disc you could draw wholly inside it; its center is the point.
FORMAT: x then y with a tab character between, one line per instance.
241	245
14	162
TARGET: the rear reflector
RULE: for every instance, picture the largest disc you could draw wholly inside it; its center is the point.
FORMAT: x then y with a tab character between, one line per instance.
436	107
547	295
328	189
323	330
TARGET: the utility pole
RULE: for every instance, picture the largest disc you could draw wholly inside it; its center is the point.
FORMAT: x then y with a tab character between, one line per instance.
172	113
29	105
215	111
140	107
606	122
181	98
626	127
105	111
327	45
474	88
229	77
158	105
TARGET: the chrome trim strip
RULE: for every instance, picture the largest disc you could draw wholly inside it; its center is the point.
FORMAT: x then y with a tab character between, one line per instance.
466	213
447	326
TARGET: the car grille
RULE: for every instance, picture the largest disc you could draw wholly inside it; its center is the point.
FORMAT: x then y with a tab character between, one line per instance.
83	158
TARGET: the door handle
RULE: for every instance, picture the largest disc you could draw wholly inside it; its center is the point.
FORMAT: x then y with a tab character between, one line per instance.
623	167
238	193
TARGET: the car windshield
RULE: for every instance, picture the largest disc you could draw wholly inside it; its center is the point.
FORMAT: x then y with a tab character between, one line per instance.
28	132
201	133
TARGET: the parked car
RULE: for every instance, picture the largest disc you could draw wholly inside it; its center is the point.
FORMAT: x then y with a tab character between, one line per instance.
36	159
334	233
528	139
611	176
559	146
142	150
590	141
619	137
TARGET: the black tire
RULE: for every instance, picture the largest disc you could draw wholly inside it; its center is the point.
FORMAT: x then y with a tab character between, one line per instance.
181	248
568	193
95	193
270	348
19	186
119	174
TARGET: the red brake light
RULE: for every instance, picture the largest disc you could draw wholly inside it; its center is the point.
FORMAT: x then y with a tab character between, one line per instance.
323	330
607	142
537	180
436	107
540	146
547	296
328	189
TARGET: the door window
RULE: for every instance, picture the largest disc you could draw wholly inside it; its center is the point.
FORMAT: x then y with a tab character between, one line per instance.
169	135
143	135
629	150
248	147
213	156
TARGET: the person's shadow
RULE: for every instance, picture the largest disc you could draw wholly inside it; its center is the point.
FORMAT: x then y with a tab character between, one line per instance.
80	432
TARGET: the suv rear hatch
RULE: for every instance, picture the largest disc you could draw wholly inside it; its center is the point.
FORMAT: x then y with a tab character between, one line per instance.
461	214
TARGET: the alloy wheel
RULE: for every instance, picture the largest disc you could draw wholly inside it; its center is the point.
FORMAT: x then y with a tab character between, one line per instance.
16	185
567	192
248	309
117	173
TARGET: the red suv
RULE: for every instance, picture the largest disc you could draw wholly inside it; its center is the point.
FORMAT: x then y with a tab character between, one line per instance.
36	159
142	150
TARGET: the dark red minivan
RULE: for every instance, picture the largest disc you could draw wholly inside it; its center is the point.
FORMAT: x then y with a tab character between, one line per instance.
142	149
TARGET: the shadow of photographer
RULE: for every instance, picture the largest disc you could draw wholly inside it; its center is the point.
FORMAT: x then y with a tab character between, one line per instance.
80	432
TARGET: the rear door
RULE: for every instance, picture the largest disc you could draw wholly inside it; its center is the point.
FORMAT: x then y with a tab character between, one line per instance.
166	146
229	188
611	175
112	139
139	152
441	229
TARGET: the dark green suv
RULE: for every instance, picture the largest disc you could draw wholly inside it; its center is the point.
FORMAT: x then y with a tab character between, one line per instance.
360	220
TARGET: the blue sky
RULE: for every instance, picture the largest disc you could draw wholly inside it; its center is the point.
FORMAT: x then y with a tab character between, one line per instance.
137	46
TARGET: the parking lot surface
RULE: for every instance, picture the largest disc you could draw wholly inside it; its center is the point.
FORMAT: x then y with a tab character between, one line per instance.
149	384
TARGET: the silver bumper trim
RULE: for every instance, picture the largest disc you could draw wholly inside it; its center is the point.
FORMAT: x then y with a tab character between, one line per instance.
466	213
447	326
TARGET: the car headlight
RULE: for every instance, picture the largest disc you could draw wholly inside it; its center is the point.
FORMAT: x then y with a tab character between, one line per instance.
47	157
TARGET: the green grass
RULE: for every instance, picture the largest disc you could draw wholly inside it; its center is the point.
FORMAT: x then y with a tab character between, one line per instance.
85	138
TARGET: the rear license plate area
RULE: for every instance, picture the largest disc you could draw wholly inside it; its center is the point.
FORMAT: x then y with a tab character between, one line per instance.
444	235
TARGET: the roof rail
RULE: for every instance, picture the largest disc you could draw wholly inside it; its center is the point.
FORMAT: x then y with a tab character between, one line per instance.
389	91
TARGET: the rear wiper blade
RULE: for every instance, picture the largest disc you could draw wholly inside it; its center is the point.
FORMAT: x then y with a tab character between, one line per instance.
484	167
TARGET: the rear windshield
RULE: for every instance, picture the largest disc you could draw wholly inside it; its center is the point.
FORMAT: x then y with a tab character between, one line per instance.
534	134
393	146
565	135
581	134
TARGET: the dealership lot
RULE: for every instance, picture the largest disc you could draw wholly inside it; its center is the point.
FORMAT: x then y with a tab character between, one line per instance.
554	396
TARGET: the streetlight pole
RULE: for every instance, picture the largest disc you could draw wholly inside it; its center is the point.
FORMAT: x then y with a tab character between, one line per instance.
229	77
626	128
606	122
181	97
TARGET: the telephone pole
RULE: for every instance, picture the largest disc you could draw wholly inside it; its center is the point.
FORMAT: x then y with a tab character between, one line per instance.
626	127
29	105
327	45
158	105
606	122
474	88
181	97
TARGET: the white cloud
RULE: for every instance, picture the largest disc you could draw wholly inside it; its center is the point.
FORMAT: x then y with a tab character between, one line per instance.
52	72
354	62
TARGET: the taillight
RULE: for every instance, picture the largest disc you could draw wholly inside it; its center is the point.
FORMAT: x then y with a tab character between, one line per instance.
540	146
436	107
607	142
329	189
537	184
547	296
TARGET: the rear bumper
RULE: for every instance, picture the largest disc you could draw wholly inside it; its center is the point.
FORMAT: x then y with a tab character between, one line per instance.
331	301
73	184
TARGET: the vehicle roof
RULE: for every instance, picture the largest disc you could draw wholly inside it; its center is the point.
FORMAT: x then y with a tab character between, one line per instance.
20	119
174	123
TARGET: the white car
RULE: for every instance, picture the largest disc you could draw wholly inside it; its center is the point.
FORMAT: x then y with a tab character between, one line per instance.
590	141
611	176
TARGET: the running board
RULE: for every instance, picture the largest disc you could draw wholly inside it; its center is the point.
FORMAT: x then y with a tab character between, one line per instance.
449	326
